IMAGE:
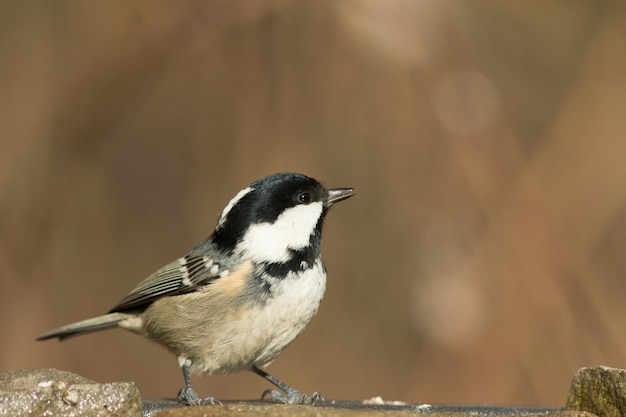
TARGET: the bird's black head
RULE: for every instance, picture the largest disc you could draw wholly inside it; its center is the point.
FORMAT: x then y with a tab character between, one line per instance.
275	215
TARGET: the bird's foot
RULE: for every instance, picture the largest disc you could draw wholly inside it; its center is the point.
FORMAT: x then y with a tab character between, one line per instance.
189	397
292	396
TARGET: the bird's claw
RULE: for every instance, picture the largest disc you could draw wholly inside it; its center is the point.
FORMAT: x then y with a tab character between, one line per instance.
292	397
189	397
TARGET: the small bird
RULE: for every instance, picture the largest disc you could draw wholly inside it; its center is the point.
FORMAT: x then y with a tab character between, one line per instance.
236	300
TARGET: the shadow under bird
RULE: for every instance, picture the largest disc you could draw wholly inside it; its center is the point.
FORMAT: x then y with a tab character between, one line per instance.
236	300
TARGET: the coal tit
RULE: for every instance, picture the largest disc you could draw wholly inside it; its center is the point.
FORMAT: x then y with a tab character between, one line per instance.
236	300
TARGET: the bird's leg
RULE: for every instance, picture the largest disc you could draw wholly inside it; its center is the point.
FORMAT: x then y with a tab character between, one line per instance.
188	396
290	396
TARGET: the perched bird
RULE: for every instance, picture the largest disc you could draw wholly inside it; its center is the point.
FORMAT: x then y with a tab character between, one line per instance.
236	300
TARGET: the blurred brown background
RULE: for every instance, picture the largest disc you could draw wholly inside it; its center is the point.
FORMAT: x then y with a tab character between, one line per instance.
483	259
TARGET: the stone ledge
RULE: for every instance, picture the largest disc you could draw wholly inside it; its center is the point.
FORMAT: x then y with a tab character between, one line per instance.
160	408
52	392
599	391
279	410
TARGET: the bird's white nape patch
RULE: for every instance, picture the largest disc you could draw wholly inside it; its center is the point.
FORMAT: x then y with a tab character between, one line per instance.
231	204
270	242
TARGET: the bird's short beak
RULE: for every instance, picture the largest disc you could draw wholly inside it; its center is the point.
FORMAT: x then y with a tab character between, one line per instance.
338	194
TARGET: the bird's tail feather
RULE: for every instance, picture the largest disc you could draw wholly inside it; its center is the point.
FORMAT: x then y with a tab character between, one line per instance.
95	324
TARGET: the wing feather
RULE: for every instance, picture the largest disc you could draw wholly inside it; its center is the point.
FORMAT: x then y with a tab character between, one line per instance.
182	276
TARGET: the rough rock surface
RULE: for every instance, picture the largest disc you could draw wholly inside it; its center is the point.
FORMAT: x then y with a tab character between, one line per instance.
277	410
42	392
601	391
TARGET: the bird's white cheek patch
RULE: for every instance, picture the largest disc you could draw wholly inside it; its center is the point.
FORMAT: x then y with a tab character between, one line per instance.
270	242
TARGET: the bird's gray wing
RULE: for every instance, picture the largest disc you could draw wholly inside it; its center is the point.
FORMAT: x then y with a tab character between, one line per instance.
184	275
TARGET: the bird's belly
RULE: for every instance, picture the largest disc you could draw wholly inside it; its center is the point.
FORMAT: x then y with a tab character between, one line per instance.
228	336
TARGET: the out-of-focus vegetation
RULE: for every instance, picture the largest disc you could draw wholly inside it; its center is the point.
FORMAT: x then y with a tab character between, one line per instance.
483	260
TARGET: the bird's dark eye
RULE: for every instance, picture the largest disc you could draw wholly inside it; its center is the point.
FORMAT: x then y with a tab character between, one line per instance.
304	198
